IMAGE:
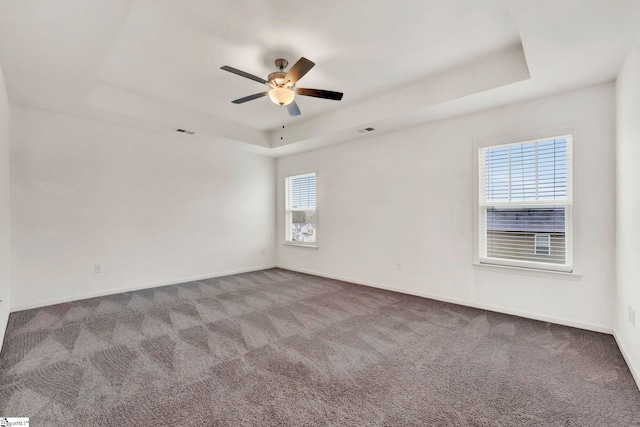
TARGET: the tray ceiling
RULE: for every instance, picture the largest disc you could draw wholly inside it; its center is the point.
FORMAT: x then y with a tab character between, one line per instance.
155	64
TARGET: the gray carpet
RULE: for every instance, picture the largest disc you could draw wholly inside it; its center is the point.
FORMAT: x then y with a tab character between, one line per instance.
282	348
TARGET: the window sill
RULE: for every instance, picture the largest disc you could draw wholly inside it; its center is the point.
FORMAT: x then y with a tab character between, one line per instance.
528	271
302	245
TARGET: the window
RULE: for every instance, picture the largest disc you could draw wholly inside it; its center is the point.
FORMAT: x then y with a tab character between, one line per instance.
525	202
543	244
300	211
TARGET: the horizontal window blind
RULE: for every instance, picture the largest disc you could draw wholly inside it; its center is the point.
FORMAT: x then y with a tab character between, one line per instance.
303	191
525	198
300	213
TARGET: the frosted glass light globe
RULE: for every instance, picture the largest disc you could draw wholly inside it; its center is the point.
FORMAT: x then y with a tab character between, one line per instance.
281	95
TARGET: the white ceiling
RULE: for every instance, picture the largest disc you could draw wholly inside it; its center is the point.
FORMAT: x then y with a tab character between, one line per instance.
155	64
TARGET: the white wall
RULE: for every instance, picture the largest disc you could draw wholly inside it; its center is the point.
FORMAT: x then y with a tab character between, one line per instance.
149	208
628	209
407	197
4	207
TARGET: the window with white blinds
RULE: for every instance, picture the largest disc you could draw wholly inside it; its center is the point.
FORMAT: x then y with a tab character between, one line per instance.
525	200
300	210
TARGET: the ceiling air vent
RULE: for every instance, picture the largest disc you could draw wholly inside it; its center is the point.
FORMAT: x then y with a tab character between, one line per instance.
365	130
188	132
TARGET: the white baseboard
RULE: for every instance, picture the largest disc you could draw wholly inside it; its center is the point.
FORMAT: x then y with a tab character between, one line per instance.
468	303
133	288
635	373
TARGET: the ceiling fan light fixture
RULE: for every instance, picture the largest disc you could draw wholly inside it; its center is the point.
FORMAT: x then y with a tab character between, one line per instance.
281	96
282	85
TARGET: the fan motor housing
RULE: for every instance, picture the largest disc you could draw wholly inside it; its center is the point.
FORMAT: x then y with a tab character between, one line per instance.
277	79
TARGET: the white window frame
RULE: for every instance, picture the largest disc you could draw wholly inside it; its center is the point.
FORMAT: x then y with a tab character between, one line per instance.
570	224
288	211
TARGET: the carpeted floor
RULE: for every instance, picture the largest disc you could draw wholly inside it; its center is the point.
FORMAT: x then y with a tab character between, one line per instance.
282	348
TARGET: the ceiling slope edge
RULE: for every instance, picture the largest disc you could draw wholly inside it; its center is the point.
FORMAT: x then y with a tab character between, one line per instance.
107	97
462	81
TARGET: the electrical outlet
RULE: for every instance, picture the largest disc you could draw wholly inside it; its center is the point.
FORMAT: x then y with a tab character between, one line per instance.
398	266
97	268
632	316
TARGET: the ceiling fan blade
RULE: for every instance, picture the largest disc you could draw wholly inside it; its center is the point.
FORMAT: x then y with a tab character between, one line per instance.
293	109
298	70
243	74
249	98
319	93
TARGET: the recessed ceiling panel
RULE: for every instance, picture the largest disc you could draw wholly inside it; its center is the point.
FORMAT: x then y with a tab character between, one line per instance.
173	50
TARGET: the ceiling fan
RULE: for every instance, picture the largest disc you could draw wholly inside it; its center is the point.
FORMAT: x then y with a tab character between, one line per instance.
282	84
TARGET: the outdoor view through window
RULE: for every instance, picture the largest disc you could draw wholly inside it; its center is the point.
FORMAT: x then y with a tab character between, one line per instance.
300	221
525	202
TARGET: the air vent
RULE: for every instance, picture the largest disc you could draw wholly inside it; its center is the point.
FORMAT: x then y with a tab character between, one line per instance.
188	132
365	130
